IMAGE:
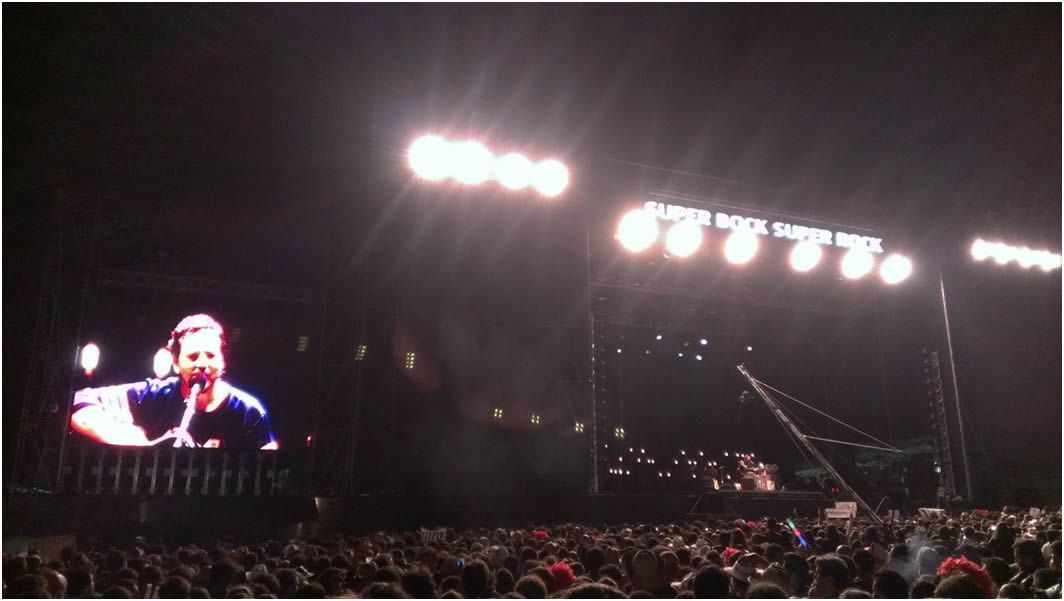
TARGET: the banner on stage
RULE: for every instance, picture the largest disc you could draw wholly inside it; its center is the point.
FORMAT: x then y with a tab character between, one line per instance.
764	227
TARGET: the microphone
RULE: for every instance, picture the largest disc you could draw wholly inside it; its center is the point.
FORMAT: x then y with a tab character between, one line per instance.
197	382
196	385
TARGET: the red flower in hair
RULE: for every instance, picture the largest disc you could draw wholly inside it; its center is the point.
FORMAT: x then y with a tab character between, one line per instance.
973	570
731	555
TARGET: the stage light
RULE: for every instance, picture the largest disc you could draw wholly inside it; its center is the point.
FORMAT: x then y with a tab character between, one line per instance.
430	158
805	255
683	452
703	342
683	239
658	337
409	363
637	231
740	247
698	357
676	461
895	269
550	178
680	355
856	264
579	427
1027	258
497	413
360	352
302	343
1002	253
90	358
618	351
472	163
749	349
513	171
162	363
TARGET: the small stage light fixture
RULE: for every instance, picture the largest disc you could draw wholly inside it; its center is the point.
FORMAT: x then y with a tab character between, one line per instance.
550	178
90	358
683	239
856	264
805	255
637	231
162	363
740	247
895	269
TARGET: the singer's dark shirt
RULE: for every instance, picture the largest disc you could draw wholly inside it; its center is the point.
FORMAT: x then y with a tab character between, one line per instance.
157	406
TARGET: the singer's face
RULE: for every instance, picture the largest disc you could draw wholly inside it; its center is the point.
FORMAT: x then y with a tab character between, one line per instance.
201	353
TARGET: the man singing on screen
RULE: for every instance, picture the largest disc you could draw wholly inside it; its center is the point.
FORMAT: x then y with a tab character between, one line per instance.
195	408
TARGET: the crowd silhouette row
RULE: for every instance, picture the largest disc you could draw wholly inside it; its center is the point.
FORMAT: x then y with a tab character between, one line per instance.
972	555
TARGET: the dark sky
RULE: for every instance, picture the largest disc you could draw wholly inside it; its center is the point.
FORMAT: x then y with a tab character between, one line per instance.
935	123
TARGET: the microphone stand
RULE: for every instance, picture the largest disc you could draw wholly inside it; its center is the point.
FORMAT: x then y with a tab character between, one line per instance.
186	417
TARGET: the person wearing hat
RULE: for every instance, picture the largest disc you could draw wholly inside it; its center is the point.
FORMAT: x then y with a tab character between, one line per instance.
742	570
774	574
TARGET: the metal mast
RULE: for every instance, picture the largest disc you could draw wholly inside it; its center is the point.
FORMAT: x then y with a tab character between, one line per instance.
803	440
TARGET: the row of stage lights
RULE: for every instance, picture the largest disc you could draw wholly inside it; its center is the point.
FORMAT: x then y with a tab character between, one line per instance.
639	229
1003	254
434	158
621	470
469	162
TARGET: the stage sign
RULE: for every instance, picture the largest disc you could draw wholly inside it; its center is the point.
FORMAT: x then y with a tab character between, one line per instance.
763	227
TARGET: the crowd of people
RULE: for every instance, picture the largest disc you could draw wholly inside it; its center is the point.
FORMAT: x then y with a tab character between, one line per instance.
973	555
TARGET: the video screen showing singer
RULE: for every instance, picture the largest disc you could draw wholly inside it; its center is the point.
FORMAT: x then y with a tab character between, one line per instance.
195	408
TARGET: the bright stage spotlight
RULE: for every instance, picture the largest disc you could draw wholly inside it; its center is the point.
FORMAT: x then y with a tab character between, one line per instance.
430	158
1049	261
162	363
683	239
1002	253
895	269
1027	258
740	247
90	358
805	255
514	171
856	264
637	230
550	178
472	163
980	250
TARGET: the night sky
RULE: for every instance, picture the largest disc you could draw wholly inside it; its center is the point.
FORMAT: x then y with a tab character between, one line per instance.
266	133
